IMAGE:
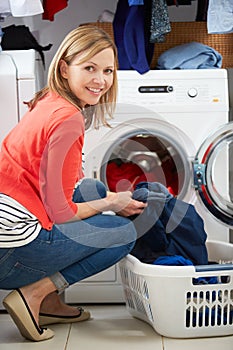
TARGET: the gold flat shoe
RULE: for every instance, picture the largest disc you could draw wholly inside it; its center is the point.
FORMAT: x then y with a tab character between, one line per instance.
20	312
46	319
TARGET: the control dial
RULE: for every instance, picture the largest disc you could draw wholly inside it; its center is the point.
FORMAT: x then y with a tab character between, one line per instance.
192	92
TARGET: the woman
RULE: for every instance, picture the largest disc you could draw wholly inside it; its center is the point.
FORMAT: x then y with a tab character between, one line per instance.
50	235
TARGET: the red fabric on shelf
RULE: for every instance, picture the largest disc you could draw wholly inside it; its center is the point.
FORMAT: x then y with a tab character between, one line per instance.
51	7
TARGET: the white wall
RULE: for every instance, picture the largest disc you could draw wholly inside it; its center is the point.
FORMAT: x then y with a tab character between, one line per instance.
81	11
183	13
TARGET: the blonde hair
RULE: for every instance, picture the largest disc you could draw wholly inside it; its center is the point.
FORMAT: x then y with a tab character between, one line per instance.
88	40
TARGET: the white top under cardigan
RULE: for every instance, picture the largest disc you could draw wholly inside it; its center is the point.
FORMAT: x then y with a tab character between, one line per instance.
18	226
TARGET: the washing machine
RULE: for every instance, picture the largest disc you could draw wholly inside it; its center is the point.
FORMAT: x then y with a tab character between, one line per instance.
21	75
169	126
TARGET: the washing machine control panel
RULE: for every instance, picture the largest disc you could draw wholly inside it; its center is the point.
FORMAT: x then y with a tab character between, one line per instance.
179	91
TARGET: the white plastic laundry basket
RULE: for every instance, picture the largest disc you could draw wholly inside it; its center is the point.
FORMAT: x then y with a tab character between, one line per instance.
168	298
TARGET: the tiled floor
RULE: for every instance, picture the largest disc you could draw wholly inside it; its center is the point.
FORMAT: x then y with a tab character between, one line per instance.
111	327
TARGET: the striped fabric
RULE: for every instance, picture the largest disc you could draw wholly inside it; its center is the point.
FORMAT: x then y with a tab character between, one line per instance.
18	226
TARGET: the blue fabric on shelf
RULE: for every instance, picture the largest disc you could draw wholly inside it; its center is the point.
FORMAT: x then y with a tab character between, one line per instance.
135	2
1	35
192	55
134	50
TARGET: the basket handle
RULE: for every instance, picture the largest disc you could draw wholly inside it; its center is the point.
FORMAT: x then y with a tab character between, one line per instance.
217	267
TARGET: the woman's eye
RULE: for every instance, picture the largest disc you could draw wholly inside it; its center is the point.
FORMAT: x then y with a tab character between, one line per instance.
89	68
109	71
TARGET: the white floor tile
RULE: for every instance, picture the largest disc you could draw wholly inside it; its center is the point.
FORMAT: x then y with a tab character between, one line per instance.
113	328
11	339
223	343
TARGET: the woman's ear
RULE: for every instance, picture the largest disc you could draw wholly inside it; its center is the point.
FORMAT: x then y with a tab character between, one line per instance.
63	68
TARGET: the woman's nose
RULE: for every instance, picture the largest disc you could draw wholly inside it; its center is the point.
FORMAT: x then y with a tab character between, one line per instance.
99	78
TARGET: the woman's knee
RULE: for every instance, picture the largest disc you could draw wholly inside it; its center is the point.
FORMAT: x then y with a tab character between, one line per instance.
89	190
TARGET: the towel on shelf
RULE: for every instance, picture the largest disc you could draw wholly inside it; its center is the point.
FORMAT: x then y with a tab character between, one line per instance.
192	55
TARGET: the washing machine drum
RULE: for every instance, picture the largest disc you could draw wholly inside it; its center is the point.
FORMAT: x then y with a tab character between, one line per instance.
142	158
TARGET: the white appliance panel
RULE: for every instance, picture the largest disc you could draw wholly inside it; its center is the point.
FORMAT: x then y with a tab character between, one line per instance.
21	75
8	95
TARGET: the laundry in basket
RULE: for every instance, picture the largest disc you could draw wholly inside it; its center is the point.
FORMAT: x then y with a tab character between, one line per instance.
167	226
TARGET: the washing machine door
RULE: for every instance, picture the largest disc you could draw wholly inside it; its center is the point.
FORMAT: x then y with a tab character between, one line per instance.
213	174
141	149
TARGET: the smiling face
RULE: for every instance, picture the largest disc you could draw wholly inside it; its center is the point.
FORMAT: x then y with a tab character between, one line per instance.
91	79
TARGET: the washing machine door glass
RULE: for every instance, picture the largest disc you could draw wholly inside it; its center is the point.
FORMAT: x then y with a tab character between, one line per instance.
213	173
147	150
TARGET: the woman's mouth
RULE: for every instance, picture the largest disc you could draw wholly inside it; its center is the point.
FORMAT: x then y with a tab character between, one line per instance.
94	90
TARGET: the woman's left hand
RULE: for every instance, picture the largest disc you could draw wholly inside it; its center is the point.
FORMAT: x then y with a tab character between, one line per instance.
123	204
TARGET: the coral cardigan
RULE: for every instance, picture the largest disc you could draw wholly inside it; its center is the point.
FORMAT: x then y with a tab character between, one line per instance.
41	160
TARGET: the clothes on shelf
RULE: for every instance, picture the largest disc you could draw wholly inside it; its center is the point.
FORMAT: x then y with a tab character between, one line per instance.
18	8
1	35
20	38
134	48
51	7
220	17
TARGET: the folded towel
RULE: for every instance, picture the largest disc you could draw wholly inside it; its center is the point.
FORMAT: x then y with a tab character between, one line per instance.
192	55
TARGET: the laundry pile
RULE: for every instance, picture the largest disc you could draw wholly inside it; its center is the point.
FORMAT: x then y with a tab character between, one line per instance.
139	25
167	226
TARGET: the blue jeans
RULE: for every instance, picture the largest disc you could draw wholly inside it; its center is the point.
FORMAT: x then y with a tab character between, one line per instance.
70	252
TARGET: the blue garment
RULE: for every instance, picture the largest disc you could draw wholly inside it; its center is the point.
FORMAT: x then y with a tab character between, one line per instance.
192	55
174	260
134	49
220	17
73	251
1	35
167	226
217	317
178	260
135	2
